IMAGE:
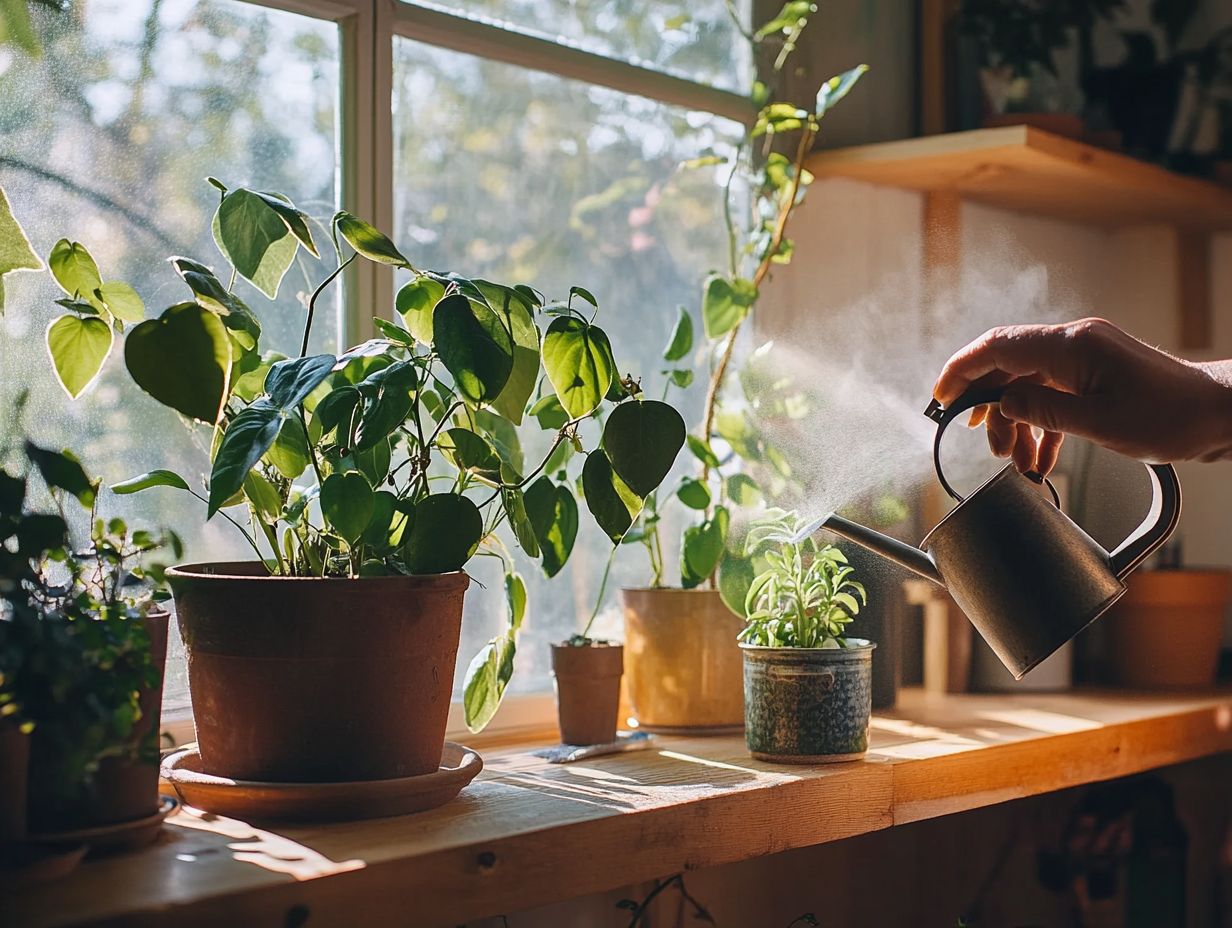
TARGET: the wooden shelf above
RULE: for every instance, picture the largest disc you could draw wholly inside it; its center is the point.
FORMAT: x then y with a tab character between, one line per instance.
1031	171
528	833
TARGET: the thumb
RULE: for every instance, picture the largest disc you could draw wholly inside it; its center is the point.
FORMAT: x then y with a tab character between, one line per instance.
1050	410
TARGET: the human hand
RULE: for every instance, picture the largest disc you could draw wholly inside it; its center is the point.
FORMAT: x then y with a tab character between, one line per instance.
1091	379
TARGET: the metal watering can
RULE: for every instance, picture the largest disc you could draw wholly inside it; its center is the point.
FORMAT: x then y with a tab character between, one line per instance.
1023	572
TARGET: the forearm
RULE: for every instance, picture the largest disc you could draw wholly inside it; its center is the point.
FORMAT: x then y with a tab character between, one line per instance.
1214	411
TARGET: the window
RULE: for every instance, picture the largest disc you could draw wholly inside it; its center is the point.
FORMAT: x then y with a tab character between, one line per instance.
479	144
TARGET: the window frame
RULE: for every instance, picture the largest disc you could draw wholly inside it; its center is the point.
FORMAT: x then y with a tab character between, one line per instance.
365	177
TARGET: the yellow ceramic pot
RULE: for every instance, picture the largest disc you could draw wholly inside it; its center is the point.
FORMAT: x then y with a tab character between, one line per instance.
683	666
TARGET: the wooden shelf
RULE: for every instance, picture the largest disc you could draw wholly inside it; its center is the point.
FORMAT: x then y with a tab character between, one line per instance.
528	833
1032	171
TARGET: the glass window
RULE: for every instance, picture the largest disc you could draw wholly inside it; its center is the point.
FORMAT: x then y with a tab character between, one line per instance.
108	138
699	41
522	177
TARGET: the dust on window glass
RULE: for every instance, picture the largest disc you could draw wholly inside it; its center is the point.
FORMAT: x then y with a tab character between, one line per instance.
107	138
700	41
518	176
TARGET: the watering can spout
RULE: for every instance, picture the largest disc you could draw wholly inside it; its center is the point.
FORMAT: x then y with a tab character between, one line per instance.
906	555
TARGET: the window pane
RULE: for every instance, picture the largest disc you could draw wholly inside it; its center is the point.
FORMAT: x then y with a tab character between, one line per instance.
107	139
699	41
521	177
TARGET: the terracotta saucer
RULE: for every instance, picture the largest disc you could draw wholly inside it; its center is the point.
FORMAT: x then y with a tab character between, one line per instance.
319	802
27	864
116	837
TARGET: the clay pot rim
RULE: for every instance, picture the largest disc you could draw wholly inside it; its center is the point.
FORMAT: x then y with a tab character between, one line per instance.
669	589
247	572
592	643
855	646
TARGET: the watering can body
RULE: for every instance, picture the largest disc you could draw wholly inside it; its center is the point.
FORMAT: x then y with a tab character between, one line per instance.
1023	572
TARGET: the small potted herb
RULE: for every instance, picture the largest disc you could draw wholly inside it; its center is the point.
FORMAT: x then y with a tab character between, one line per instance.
807	687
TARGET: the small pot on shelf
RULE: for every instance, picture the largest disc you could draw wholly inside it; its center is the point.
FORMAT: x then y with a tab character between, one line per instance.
808	705
683	665
587	674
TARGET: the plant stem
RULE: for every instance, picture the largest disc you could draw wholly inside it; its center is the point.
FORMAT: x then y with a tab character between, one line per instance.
312	452
312	301
607	570
239	528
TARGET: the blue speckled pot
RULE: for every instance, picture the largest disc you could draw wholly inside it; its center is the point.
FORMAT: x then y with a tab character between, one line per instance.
808	705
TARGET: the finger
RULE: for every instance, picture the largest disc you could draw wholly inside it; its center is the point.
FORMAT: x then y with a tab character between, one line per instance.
1048	451
1002	433
1037	351
978	415
1052	410
1023	451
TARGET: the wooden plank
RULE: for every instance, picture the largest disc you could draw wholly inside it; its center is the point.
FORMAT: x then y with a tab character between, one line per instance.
528	833
1031	171
1193	280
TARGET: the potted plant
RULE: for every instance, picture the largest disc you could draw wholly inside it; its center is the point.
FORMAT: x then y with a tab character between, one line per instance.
807	687
684	671
83	654
368	480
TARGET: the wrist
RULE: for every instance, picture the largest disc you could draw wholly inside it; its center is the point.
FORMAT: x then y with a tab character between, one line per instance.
1216	415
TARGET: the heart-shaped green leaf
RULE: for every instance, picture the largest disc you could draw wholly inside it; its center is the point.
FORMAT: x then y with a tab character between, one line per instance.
515	509
74	269
693	493
511	403
247	438
471	453
366	240
445	530
486	678
154	478
183	360
289	453
702	547
681	341
474	346
726	303
642	440
78	349
296	220
121	301
549	412
702	451
578	359
553	515
735	577
608	498
289	382
347	504
743	490
62	470
415	303
16	254
255	239
212	295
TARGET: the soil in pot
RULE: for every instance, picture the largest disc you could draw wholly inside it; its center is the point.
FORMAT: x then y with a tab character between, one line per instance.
310	680
587	690
683	666
124	789
808	705
1167	630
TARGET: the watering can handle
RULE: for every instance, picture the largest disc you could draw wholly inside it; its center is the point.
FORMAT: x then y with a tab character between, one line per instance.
1161	518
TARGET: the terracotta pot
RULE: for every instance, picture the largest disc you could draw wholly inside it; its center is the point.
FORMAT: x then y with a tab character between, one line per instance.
123	789
682	662
587	691
1167	630
309	680
14	763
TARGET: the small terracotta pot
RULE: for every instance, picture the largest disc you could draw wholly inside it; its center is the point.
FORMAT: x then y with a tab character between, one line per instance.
682	662
310	680
587	691
14	763
1167	630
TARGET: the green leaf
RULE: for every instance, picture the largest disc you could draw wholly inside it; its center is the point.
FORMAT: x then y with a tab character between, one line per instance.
681	341
515	509
504	438
212	295
380	527
511	403
474	346
725	303
387	402
578	359
702	547
415	303
553	515
16	254
289	382
787	19
74	269
584	294
735	577
515	599
289	453
743	490
679	21
702	451
255	239
836	88
78	348
121	301
183	360
445	530
347	504
263	497
470	453
486	679
394	332
608	498
296	221
335	409
374	462
15	27
693	493
153	478
734	427
247	438
365	239
642	440
550	413
62	470
682	378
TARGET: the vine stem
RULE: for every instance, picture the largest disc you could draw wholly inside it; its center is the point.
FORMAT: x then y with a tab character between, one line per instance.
312	302
607	572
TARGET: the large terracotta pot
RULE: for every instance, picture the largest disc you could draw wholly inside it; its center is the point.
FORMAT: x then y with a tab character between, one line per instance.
1167	630
587	691
305	680
682	662
123	789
